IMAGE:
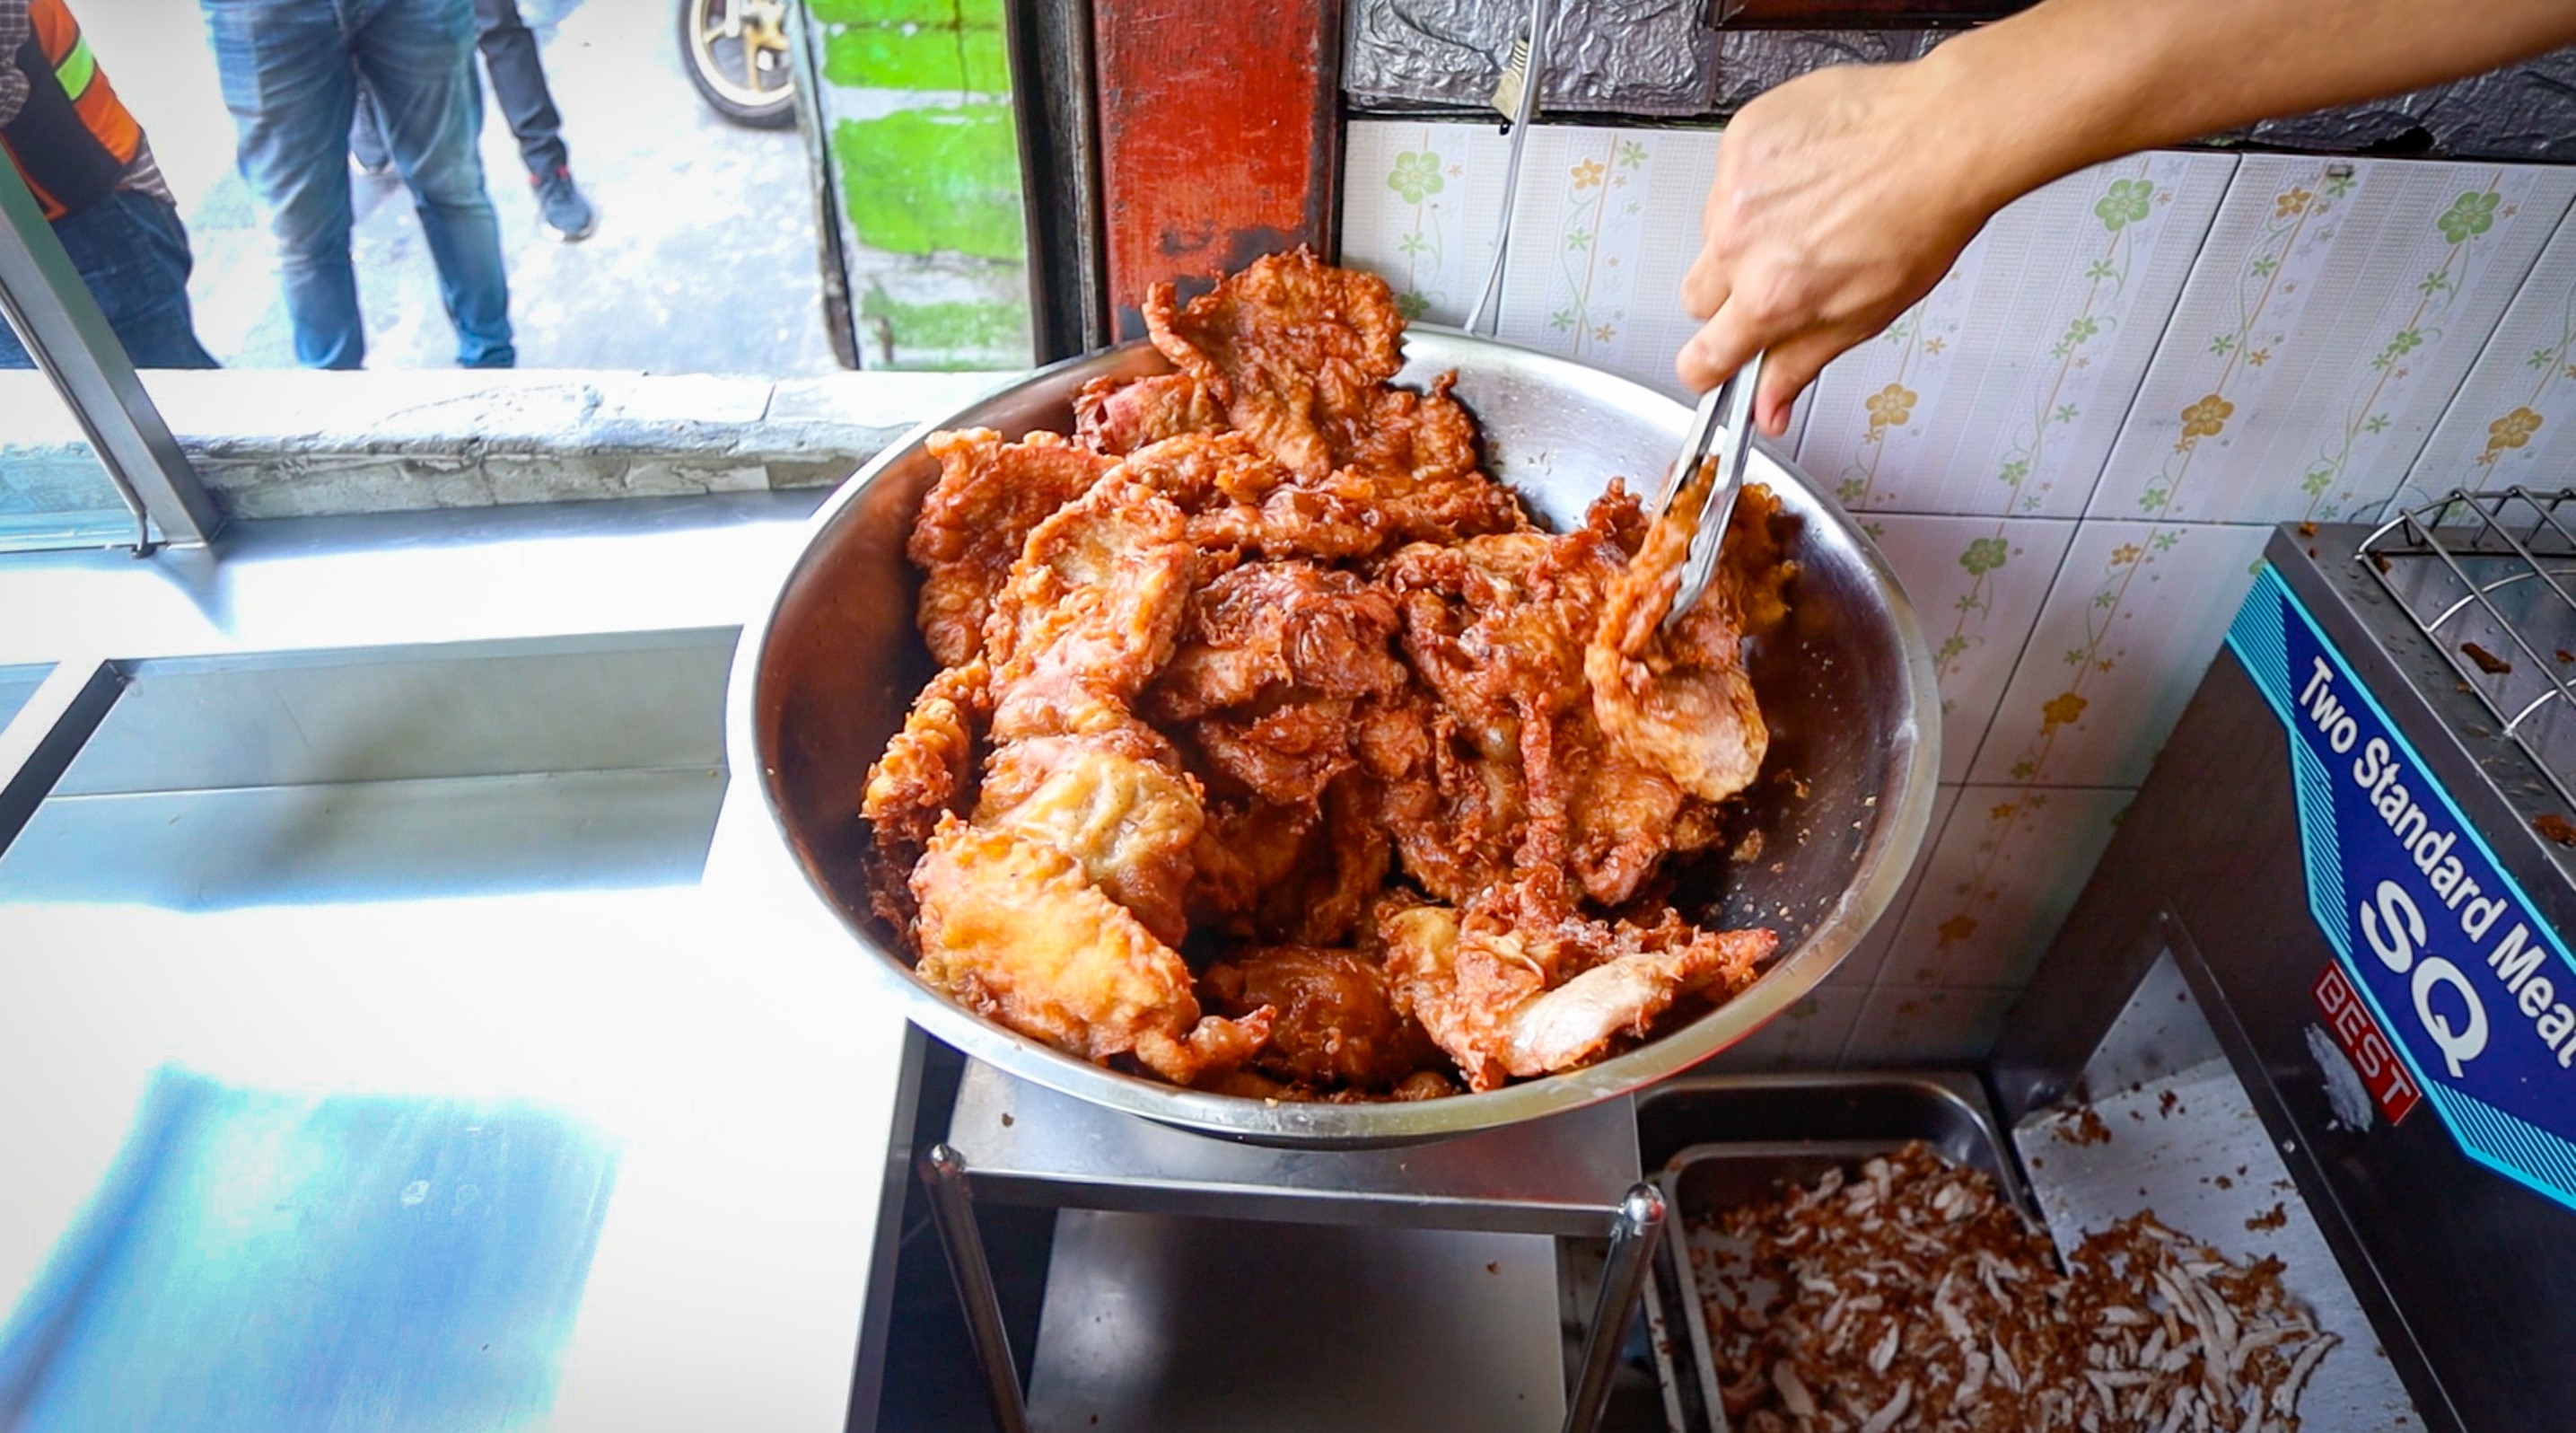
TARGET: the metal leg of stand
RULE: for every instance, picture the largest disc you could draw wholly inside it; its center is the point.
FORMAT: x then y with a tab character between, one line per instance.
952	1208
1633	1237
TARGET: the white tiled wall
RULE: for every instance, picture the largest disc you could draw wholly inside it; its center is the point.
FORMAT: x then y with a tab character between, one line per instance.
2002	391
2514	419
2134	618
1977	584
2334	310
1606	225
1420	207
2072	453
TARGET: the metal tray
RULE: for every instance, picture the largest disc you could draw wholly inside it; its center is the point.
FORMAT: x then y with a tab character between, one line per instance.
1723	1140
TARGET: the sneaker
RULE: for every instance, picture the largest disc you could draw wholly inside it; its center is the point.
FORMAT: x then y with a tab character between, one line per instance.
566	211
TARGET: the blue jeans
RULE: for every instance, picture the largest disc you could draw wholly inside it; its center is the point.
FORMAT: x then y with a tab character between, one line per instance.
290	76
132	252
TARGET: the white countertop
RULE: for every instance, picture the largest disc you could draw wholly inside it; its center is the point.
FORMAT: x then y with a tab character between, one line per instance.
721	1038
718	1037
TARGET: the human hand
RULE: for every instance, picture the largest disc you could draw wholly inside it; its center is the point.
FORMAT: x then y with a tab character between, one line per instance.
1841	198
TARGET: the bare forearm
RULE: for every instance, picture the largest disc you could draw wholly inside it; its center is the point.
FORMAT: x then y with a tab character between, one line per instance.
1843	195
2073	82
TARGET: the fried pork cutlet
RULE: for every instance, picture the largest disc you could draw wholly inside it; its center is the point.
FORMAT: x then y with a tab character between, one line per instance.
1301	357
1335	1024
989	496
1288	346
1013	930
1120	415
1260	658
1511	991
1681	703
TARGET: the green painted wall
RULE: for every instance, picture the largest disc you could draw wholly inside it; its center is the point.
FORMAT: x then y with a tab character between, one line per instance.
948	56
927	181
925	146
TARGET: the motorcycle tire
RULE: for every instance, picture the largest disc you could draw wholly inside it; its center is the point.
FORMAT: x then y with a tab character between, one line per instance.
729	74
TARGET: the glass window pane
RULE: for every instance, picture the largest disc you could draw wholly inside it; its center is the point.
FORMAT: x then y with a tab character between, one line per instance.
647	218
17	684
53	493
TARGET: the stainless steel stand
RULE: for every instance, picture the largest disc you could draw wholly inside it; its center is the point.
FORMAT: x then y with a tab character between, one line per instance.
1574	1175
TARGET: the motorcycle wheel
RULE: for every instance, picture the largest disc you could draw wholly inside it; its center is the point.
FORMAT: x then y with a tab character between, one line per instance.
736	54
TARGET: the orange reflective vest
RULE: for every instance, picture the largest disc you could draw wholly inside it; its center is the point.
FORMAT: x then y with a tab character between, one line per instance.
74	138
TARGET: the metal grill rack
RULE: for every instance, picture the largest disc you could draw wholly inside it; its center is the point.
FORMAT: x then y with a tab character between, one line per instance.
2491	578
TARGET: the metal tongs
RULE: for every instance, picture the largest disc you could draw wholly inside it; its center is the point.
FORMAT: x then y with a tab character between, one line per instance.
1725	418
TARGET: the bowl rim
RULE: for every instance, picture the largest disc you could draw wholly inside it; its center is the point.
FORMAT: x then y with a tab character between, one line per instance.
1885	861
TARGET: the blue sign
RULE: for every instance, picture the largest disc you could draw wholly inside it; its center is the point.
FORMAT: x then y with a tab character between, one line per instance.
2470	982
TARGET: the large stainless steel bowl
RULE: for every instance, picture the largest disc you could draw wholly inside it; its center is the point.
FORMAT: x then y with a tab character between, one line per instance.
824	678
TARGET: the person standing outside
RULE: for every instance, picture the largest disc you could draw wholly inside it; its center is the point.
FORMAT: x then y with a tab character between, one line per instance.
291	71
1844	195
85	159
519	82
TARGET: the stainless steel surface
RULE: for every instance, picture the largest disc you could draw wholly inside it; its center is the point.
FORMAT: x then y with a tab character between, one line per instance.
42	735
1725	416
440	576
952	1208
2188	1147
1634	1236
1153	1324
59	323
826	672
1755	1132
368	840
2495	570
390	773
2160	1032
604	702
1030	1144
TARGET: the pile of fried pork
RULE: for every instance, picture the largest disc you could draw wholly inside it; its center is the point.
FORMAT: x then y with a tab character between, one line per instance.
1276	752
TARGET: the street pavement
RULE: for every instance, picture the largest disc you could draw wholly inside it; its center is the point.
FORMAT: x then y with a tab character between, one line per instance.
704	260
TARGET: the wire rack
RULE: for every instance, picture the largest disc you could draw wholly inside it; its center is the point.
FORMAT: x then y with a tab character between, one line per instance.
2491	578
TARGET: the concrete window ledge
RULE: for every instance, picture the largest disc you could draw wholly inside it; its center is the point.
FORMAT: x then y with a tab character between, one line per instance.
298	443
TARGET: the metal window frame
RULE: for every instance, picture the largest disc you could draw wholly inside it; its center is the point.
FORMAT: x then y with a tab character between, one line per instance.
45	300
38	744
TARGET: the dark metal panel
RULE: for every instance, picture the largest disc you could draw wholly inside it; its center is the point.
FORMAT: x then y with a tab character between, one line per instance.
1752	61
2523	112
1648	57
1059	140
2207	864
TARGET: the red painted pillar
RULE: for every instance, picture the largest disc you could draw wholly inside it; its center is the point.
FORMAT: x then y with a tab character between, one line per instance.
1220	138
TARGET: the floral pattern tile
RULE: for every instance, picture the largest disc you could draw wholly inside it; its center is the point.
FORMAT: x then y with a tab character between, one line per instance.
1421	203
1978	584
2004	389
1916	1025
1861	968
1809	1035
1606	224
2514	419
2134	618
2334	311
2071	452
2006	870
